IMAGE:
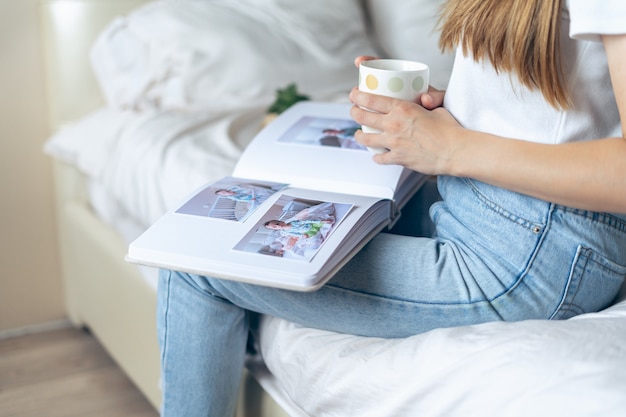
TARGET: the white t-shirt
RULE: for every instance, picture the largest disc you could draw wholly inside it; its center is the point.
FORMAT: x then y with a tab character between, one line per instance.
482	100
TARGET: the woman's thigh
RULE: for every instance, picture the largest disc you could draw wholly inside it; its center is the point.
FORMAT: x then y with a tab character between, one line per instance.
398	285
395	287
497	256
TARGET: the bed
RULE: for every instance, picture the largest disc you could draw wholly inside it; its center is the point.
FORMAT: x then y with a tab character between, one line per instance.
149	100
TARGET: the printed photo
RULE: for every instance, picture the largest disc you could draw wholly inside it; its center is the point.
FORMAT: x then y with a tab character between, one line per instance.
230	199
316	131
294	228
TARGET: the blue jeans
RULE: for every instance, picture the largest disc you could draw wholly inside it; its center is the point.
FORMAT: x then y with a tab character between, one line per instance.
497	255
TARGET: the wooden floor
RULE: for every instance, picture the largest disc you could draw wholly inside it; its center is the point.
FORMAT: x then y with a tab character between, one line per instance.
64	373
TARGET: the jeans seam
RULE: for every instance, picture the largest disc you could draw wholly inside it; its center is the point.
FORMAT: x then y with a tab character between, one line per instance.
382	298
531	260
165	322
499	210
560	306
605	219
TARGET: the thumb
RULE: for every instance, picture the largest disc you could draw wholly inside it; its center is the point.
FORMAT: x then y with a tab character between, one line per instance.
433	98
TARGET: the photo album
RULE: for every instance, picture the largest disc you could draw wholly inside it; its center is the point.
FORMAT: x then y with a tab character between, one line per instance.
304	198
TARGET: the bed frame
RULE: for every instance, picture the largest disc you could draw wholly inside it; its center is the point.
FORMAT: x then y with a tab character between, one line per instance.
103	293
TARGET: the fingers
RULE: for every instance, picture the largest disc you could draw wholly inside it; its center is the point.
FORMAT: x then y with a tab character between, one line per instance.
373	111
367	118
373	141
430	100
373	102
362	58
364	117
377	141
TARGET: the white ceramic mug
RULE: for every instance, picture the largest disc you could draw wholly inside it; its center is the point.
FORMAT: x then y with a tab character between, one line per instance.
397	78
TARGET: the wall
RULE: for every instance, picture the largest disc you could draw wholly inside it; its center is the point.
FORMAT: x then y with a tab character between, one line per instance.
30	283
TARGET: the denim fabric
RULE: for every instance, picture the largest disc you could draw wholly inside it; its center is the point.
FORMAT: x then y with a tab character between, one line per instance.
497	255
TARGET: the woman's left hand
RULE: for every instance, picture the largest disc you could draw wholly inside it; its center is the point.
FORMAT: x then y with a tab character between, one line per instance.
417	138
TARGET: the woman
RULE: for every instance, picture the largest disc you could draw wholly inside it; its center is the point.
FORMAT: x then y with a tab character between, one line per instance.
529	150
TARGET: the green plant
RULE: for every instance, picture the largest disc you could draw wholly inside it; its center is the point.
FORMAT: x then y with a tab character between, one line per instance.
285	98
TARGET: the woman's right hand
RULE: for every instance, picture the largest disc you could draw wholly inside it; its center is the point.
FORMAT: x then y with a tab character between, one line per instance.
417	138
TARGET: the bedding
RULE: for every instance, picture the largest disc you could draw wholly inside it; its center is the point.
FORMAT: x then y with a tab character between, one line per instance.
148	161
192	84
575	367
177	115
220	54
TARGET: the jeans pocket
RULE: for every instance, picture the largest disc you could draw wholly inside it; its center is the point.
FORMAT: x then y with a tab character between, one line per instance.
593	284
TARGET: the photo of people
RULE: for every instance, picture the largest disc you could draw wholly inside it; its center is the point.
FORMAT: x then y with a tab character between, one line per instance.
230	199
316	131
294	228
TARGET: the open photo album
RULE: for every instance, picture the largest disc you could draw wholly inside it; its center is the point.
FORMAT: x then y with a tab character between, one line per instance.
304	198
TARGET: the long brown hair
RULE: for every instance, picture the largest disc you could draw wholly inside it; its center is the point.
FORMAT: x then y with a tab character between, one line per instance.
518	36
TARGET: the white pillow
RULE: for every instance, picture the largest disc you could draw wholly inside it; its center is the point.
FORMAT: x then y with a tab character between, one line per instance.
406	29
223	53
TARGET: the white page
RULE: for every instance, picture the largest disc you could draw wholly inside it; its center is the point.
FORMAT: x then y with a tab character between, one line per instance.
206	245
276	155
192	239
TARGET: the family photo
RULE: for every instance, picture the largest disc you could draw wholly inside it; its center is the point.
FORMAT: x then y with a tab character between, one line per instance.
294	228
317	131
230	199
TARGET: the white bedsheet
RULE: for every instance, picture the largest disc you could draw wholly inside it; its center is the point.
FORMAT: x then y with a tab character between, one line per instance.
570	368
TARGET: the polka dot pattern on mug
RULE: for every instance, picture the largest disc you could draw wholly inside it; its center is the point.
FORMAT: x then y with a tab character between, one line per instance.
418	83
371	82
394	84
401	79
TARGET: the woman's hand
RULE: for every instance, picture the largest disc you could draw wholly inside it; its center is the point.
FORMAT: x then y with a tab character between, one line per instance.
417	138
408	130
